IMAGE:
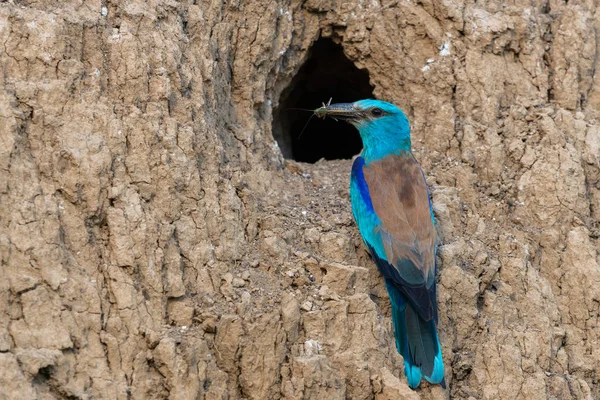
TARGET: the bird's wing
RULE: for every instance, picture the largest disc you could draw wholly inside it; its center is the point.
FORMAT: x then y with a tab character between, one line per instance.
400	200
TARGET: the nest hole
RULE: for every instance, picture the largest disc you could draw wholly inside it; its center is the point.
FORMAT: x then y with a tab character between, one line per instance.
327	73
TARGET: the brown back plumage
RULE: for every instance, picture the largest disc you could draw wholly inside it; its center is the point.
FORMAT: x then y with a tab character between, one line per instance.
400	200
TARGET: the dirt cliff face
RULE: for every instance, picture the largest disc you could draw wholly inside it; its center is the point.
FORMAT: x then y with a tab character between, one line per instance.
155	244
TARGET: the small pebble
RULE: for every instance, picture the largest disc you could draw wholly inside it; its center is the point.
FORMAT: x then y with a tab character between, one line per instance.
238	282
209	325
306	306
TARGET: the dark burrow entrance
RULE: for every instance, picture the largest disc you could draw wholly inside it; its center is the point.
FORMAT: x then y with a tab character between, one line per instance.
327	73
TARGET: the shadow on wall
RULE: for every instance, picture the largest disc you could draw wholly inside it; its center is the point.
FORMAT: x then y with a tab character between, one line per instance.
327	73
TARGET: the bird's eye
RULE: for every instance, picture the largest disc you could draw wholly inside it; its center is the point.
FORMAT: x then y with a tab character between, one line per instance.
376	112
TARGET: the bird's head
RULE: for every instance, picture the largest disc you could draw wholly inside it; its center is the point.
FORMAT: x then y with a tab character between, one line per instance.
383	127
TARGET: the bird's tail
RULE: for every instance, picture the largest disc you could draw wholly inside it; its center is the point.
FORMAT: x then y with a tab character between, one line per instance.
417	341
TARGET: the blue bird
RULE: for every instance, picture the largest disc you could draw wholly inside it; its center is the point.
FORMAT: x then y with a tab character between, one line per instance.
391	206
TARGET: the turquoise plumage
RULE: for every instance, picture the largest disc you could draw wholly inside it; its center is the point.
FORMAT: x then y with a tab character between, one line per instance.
391	206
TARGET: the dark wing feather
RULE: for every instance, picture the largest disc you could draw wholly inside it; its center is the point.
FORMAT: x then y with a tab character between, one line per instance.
421	297
423	347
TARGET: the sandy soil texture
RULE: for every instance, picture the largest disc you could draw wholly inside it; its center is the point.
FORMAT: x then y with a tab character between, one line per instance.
154	243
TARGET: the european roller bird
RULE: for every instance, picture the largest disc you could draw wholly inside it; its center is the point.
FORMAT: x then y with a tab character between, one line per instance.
392	208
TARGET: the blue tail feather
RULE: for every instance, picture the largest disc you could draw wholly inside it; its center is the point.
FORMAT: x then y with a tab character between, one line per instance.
417	341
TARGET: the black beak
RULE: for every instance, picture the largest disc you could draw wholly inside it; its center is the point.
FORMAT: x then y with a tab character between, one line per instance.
345	111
